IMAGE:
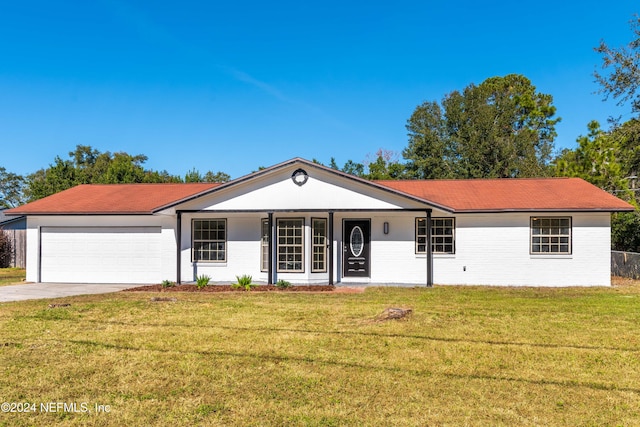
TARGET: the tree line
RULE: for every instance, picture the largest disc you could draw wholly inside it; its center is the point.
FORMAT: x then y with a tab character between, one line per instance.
501	128
87	165
505	128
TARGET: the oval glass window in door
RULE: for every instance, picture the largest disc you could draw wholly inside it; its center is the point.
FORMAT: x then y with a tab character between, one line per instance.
356	241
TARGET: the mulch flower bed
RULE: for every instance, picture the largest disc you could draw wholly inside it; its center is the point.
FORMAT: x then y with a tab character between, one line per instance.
228	288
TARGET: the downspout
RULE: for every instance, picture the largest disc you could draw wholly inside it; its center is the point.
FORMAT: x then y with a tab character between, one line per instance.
270	249
179	248
39	278
429	252
331	247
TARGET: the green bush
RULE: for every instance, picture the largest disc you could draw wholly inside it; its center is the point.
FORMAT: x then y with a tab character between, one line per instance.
168	284
625	231
283	284
244	282
202	281
6	250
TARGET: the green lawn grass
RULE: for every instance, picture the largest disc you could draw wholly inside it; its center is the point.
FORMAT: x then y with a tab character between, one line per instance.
467	356
11	276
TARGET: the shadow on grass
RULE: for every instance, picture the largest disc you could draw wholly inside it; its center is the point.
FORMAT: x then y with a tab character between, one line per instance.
418	372
371	334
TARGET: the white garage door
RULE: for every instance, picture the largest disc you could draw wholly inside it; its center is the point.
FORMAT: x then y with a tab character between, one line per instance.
100	254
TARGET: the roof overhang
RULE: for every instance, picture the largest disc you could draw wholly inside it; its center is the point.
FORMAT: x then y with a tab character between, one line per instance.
450	196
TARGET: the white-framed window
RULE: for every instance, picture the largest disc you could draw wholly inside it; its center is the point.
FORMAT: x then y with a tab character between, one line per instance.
290	246
209	240
319	245
551	235
264	245
442	235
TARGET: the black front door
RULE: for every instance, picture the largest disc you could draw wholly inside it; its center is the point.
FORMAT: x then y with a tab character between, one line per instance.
355	250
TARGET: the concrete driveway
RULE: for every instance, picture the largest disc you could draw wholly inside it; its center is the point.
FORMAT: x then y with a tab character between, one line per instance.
56	290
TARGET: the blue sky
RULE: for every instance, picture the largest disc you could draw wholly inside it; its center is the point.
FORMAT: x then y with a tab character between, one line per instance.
232	86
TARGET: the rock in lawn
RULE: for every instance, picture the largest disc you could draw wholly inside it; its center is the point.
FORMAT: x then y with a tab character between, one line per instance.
393	313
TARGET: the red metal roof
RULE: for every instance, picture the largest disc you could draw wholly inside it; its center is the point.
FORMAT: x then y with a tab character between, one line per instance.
112	199
511	194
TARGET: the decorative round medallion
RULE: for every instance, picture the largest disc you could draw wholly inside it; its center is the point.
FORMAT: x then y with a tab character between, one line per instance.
299	177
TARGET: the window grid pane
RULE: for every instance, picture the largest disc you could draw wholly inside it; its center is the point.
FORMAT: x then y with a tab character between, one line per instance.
290	245
319	246
551	235
264	245
442	235
209	240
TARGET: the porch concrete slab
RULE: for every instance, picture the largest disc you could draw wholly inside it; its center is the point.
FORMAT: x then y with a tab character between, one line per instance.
29	291
379	285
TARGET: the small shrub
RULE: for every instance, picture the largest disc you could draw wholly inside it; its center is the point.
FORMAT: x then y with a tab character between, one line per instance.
6	250
168	284
283	284
244	282
202	281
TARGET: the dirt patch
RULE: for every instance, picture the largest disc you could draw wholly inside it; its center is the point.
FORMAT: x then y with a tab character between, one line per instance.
349	289
228	288
391	313
624	282
163	299
59	305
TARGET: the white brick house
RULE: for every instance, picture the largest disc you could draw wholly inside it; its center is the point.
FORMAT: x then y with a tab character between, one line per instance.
306	223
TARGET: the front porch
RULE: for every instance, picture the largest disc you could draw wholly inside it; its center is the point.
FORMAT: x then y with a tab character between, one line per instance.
343	247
